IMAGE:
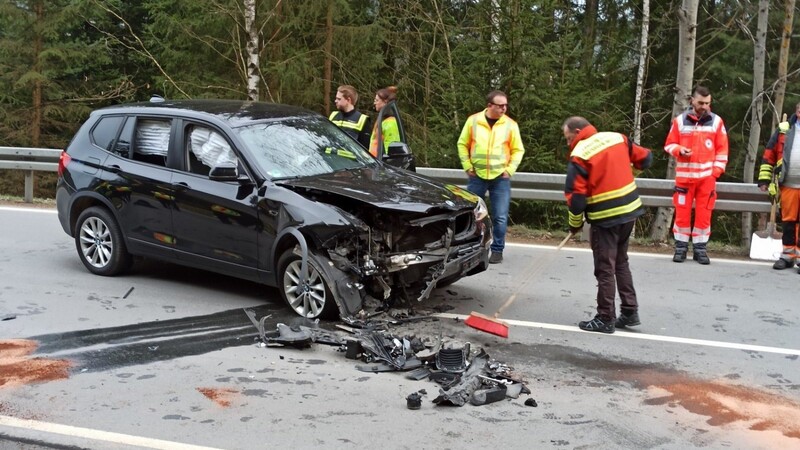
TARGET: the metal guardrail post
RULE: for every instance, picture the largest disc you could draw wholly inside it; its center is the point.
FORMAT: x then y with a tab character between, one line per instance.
29	186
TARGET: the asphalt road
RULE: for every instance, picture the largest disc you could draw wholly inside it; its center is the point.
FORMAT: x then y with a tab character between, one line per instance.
164	357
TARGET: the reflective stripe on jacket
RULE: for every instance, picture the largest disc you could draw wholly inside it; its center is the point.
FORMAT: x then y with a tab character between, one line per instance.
778	153
490	151
356	125
706	137
600	183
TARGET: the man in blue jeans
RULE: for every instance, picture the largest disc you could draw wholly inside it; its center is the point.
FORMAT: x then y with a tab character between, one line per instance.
490	149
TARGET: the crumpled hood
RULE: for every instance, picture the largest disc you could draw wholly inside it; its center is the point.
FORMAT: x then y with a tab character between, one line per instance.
388	188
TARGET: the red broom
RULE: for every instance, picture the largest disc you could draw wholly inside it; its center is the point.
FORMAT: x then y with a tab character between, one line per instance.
494	325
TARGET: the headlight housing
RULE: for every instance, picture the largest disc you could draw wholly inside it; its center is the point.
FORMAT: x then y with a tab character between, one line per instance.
480	210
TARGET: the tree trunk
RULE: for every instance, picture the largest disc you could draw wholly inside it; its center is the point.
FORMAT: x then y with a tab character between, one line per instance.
756	110
590	22
687	40
253	77
450	70
640	75
783	60
326	78
36	123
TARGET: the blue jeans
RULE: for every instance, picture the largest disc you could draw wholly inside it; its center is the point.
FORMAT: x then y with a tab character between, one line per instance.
499	201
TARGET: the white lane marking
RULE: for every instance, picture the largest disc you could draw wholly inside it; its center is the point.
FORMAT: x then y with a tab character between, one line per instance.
97	435
649	337
651	255
508	244
33	210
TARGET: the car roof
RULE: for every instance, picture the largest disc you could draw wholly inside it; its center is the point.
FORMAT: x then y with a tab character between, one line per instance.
235	112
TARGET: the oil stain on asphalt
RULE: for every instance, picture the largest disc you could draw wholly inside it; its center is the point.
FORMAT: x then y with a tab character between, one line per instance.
722	402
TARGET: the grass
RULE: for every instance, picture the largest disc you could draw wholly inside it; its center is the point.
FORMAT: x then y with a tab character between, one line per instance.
524	234
20	201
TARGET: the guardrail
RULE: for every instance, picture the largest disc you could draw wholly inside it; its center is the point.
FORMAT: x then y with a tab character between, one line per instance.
29	160
739	197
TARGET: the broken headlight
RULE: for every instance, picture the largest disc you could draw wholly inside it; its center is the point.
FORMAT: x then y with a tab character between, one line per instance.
480	210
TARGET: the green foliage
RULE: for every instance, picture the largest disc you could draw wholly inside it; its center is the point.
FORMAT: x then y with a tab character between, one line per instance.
443	55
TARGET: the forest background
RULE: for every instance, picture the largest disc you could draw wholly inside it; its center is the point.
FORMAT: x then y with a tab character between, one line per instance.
60	59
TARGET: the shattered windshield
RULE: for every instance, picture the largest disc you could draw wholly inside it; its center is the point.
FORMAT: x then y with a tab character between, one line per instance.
301	147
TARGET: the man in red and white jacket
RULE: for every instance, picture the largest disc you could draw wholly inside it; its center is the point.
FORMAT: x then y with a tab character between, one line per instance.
699	143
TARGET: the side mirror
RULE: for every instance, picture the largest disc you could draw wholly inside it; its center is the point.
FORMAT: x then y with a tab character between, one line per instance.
397	149
224	172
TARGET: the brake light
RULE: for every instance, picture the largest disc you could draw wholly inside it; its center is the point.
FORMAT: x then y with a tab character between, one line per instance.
63	160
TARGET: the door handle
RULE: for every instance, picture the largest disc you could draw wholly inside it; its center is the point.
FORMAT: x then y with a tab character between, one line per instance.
182	184
114	168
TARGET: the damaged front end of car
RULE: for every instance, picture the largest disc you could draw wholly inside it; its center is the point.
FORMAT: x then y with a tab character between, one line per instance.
387	256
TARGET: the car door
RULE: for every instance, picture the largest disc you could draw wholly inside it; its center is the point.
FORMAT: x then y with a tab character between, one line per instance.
137	179
215	220
397	154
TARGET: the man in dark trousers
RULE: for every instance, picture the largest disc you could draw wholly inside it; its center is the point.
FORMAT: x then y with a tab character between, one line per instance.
600	187
348	118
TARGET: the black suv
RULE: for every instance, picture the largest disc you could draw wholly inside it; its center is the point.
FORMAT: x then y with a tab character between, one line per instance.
270	193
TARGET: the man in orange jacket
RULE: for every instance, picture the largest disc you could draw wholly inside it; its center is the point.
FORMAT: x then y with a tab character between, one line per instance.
600	187
699	143
779	160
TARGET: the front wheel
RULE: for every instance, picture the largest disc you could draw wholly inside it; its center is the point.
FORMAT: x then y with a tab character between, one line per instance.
311	299
100	244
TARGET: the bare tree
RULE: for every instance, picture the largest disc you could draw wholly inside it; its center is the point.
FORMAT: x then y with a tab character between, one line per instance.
640	75
756	108
252	46
326	77
687	41
783	60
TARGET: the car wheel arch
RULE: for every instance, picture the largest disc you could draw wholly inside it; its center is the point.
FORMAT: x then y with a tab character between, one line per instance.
83	201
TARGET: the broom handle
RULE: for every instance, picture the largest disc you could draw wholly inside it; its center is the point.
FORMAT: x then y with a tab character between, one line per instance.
513	296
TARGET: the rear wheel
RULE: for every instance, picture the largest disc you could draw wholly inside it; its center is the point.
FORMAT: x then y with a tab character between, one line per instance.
311	299
100	244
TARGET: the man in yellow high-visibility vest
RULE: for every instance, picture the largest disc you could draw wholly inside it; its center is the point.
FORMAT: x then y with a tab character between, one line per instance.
490	149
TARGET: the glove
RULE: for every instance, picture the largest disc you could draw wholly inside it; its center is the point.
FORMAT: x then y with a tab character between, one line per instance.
575	230
773	190
783	127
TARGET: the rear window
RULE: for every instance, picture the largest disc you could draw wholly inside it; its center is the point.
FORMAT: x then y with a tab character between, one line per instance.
105	131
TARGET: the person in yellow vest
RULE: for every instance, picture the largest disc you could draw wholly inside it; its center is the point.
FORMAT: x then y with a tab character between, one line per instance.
389	131
348	118
490	149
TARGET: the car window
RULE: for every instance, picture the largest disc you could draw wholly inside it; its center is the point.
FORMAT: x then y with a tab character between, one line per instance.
105	131
302	147
122	146
152	141
205	149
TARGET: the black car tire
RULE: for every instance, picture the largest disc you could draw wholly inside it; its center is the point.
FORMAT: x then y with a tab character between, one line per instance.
100	244
316	299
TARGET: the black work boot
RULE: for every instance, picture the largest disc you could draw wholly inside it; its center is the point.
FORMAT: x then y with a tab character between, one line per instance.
783	263
597	324
681	249
628	320
699	254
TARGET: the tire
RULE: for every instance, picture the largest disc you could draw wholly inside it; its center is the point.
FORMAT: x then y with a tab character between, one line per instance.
100	244
316	299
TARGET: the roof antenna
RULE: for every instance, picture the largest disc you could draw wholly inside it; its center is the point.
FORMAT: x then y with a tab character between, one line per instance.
156	99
